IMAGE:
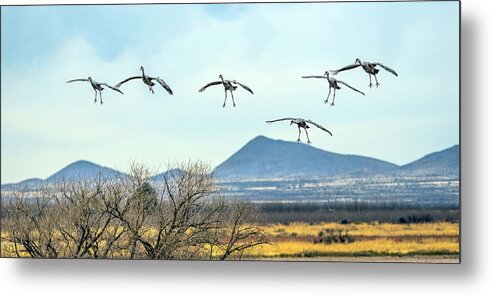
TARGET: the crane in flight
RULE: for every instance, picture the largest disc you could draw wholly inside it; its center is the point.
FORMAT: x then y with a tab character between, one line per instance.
369	68
228	85
149	81
332	83
97	86
301	123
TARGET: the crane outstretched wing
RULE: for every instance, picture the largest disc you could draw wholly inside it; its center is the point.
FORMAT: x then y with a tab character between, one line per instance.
319	126
283	119
111	87
163	84
320	77
345	68
242	85
341	82
387	69
77	80
126	80
209	84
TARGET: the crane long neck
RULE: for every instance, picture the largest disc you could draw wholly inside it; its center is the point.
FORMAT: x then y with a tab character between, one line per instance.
143	73
222	78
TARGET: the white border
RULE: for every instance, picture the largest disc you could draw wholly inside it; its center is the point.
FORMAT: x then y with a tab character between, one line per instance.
471	277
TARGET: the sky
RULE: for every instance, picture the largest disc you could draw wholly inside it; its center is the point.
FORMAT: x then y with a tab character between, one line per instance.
46	124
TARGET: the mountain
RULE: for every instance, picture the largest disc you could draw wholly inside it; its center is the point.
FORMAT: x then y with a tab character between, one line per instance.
80	170
170	173
24	185
445	162
83	170
263	157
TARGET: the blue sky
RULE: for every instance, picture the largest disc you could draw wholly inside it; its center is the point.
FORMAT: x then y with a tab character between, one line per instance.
46	124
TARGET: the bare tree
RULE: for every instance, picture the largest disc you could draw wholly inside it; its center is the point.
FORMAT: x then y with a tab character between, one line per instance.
85	218
131	200
68	219
190	219
240	231
31	225
178	216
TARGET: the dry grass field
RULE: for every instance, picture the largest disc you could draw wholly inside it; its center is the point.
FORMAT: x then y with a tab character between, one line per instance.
362	242
395	241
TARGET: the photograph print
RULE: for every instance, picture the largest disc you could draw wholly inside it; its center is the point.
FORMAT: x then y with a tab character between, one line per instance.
326	131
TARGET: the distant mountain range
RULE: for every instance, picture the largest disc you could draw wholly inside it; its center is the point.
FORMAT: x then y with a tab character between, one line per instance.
171	173
445	162
83	170
27	184
78	170
263	157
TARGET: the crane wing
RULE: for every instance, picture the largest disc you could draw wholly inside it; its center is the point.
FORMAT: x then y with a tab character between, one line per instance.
163	84
283	119
77	80
111	87
320	77
319	126
341	82
387	69
345	68
209	84
242	85
126	80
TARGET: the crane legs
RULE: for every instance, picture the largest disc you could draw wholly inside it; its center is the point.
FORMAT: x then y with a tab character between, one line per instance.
370	80
375	77
328	97
299	135
233	103
100	96
329	92
225	91
307	135
225	98
151	89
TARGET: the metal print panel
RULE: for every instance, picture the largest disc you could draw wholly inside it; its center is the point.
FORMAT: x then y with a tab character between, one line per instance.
249	131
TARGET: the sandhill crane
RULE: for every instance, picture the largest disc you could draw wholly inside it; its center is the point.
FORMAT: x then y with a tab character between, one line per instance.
369	68
97	86
148	81
228	85
301	123
332	83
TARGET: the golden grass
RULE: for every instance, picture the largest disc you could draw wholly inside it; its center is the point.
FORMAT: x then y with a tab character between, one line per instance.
382	246
366	229
370	239
7	249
